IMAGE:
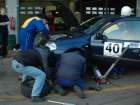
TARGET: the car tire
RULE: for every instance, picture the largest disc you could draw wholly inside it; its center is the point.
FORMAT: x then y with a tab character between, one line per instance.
26	88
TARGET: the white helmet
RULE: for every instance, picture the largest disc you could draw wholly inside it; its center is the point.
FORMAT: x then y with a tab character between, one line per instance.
126	11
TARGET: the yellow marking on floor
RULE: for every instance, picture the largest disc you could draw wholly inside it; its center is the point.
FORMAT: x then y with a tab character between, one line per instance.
12	98
112	89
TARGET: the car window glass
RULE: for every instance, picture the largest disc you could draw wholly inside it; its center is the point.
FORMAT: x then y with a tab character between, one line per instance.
125	30
85	25
93	27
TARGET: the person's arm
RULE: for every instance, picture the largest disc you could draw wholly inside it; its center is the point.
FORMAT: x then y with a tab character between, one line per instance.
42	58
4	23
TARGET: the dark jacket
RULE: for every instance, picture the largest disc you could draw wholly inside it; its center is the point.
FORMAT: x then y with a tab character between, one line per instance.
37	57
71	66
29	58
44	54
4	30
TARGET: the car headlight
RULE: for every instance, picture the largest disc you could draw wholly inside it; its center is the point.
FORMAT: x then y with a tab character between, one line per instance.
51	45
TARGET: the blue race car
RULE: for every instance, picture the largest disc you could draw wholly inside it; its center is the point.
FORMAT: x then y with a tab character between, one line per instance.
111	39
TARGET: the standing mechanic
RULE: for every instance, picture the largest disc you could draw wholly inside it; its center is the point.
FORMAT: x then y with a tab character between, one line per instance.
30	28
33	63
4	21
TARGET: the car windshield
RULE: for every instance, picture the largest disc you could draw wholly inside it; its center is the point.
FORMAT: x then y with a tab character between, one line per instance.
86	24
88	27
95	26
124	30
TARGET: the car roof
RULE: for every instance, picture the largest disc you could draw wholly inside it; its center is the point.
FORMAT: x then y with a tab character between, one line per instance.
128	18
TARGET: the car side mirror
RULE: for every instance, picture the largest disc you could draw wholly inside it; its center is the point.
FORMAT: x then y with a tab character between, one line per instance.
104	38
101	36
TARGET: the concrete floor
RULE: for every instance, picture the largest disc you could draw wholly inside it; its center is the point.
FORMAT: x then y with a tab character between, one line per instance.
124	91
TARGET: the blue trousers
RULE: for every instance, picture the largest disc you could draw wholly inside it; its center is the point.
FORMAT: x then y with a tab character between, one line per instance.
26	40
70	83
118	70
34	72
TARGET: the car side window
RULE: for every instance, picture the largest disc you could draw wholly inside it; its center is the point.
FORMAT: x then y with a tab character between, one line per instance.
124	30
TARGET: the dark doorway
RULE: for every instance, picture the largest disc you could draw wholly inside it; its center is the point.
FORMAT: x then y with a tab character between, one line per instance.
90	8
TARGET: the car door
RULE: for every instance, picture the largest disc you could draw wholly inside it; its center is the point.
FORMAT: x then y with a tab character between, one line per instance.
113	39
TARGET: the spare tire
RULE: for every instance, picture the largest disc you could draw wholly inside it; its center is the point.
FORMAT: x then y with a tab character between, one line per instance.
26	88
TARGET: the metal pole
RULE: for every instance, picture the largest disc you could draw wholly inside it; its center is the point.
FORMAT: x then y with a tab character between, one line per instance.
114	64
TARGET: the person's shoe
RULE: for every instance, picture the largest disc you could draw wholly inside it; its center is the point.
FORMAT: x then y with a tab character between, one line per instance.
115	76
79	91
60	90
38	99
94	86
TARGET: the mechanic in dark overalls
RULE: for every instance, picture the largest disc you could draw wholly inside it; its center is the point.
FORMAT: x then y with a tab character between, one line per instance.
70	72
4	21
29	29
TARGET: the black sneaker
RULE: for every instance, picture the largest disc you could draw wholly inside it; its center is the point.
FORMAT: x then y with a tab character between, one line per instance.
38	99
79	91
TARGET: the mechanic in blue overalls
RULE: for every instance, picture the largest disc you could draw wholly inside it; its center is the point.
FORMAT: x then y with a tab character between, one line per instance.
29	29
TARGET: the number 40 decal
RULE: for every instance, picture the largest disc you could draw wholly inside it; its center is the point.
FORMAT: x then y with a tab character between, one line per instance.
112	49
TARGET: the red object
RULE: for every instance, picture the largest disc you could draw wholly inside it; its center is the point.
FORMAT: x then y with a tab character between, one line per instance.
101	81
12	23
51	23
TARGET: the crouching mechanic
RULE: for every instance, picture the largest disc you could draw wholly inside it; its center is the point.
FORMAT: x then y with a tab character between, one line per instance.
33	63
70	71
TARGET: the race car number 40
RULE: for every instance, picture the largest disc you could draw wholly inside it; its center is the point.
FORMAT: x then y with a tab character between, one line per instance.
112	49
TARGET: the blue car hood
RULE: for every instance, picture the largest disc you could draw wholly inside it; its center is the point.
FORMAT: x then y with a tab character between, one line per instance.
75	42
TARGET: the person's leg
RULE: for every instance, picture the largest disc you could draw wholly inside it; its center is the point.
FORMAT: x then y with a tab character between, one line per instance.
121	72
60	83
114	73
81	84
4	51
5	43
79	88
39	76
